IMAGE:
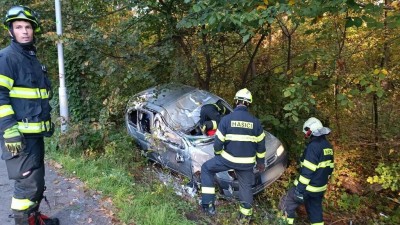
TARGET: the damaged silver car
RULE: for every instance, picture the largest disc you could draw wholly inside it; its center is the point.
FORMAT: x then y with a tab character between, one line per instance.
164	121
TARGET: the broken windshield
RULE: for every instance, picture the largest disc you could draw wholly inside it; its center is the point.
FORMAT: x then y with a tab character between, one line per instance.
185	111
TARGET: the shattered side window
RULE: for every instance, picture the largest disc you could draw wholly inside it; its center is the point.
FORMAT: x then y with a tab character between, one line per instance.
145	119
132	117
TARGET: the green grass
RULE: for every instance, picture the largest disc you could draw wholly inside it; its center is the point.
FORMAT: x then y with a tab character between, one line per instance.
146	201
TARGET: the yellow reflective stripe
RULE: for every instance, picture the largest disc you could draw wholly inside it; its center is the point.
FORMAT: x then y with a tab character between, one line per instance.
290	220
214	124
21	204
261	155
220	136
320	223
327	163
261	137
33	128
6	82
43	93
218	152
6	110
316	189
216	106
309	165
240	137
246	212
208	190
238	159
311	188
304	180
247	138
30	93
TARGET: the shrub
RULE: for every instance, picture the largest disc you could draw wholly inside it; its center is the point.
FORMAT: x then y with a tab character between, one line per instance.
388	176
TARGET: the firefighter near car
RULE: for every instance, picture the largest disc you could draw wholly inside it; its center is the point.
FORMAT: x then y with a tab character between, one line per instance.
210	116
25	92
239	144
317	165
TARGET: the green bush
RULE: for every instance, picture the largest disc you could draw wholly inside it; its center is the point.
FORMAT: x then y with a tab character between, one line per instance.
388	176
349	202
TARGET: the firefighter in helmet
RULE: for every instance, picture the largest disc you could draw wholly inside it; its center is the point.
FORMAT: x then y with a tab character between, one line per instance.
316	167
210	116
25	91
239	144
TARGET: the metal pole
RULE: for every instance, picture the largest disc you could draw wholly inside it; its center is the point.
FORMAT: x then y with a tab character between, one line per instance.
62	91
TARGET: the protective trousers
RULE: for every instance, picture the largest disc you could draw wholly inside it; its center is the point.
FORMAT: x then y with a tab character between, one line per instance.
245	179
27	169
312	202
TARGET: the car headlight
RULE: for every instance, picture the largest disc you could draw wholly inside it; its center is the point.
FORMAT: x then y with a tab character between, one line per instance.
280	150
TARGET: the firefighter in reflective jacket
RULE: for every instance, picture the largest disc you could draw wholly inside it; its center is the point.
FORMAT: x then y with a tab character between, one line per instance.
210	115
24	115
239	144
316	167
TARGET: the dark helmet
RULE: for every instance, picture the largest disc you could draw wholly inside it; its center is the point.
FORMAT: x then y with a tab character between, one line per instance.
22	13
221	107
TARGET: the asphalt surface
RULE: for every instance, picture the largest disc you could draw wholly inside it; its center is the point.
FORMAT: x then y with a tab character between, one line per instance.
68	198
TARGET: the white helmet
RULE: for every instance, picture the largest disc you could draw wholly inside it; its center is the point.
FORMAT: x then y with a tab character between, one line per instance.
314	126
244	95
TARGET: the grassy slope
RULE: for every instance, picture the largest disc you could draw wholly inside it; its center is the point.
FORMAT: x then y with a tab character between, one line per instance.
123	175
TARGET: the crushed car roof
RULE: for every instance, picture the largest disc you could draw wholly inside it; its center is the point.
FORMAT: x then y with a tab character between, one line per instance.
178	103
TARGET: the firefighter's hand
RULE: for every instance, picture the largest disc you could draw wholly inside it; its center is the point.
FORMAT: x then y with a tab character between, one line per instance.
13	140
260	167
299	197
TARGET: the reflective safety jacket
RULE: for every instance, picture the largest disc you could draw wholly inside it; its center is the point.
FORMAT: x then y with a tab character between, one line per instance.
210	115
317	165
24	92
240	139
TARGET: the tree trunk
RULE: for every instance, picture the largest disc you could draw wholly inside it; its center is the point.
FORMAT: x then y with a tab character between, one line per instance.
249	65
384	62
340	72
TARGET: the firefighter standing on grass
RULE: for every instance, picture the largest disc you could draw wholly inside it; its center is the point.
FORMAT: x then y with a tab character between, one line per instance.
24	116
316	167
239	144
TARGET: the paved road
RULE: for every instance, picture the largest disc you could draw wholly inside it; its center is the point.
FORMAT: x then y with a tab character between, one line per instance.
69	200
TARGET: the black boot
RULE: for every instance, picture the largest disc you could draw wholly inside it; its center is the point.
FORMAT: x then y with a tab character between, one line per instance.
37	218
244	219
245	213
209	209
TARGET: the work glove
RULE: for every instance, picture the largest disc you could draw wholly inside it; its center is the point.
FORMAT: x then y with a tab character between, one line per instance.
13	140
260	167
298	196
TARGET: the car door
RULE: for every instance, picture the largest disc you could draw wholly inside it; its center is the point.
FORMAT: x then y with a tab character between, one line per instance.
172	149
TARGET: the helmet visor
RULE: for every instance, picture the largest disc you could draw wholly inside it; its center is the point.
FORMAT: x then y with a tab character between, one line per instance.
16	10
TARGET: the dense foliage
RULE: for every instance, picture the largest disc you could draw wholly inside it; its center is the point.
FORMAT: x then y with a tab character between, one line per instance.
337	60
